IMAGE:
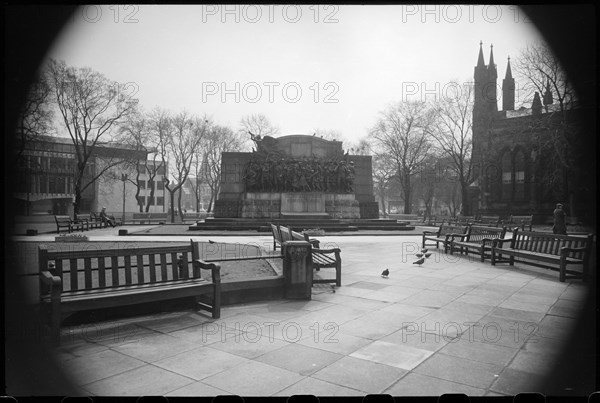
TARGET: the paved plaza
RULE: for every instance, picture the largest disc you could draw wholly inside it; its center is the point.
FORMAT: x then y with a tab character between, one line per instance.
452	325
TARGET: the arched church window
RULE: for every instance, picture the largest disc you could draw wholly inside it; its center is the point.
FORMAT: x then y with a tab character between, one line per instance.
519	176
507	180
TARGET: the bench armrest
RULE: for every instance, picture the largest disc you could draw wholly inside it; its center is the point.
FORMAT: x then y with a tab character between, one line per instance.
431	233
215	268
452	236
48	279
327	251
500	241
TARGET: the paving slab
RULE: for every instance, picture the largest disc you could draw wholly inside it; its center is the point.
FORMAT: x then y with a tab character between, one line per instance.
253	379
299	358
460	370
392	354
351	371
147	380
415	384
200	363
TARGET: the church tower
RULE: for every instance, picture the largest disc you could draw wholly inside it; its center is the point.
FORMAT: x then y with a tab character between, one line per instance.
508	90
485	103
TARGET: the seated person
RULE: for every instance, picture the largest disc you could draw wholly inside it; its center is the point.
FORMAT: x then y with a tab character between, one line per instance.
107	219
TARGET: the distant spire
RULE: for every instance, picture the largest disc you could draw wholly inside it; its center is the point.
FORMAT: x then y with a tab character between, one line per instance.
508	70
480	61
492	65
548	100
536	105
508	90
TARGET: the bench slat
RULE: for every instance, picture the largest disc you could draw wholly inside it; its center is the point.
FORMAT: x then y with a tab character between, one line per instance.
114	262
174	268
87	262
73	271
101	272
128	270
140	269
152	267
163	266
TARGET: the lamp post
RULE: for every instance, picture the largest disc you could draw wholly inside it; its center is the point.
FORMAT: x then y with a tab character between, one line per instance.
124	179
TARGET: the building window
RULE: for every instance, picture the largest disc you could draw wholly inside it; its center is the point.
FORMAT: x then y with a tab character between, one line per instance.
160	185
160	201
519	188
142	184
51	184
506	177
140	200
43	184
150	184
160	170
151	200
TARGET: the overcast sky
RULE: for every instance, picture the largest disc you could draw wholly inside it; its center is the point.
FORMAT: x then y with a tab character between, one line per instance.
304	67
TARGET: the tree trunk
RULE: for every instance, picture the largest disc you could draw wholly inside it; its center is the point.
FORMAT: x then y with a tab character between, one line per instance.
172	200
464	195
77	203
180	211
210	203
407	194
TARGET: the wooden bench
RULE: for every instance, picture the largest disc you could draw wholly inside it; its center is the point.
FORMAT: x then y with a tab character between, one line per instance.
321	258
542	247
64	221
525	222
96	221
149	217
477	239
430	220
443	234
193	216
275	231
489	220
92	279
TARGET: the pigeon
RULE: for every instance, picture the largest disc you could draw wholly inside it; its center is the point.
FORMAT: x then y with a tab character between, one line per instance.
419	255
211	241
420	261
385	273
424	250
333	288
427	255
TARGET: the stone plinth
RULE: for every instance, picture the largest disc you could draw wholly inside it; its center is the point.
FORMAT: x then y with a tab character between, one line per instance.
274	205
302	202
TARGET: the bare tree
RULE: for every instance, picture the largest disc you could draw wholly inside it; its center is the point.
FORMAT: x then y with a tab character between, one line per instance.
403	133
184	138
384	171
35	120
91	107
542	69
219	140
258	125
36	115
453	135
560	143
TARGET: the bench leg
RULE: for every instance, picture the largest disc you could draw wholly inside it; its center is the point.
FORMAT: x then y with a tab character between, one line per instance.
563	266
338	274
493	258
55	316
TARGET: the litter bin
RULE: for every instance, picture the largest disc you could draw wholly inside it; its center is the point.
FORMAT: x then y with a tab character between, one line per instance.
297	270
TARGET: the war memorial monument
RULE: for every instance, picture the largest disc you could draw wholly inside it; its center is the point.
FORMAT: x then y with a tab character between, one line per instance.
295	178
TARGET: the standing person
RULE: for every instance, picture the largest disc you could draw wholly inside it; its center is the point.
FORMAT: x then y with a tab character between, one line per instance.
560	226
106	218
